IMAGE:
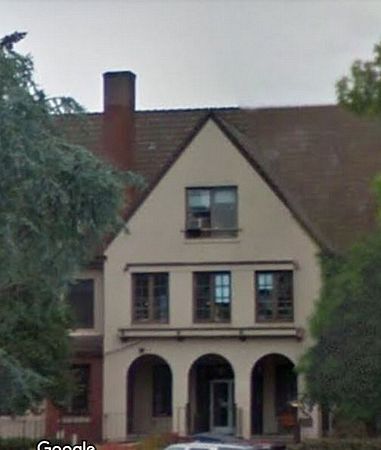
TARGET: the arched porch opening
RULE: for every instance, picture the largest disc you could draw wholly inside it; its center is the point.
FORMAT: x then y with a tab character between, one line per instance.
273	387
149	396
211	395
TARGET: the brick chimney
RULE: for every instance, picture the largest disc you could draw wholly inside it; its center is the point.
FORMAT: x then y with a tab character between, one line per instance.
119	119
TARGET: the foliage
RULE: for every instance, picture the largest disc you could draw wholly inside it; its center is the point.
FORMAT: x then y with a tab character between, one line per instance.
343	367
337	444
16	443
360	92
57	202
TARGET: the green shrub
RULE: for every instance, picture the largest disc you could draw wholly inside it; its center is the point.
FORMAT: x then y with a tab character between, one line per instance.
337	444
24	443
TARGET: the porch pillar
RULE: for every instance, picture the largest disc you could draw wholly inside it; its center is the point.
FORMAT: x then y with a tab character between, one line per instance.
242	386
180	390
114	402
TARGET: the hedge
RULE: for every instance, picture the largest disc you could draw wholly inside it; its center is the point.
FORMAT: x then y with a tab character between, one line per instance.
24	443
337	444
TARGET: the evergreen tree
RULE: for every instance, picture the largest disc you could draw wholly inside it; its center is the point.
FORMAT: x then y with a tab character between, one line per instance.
57	202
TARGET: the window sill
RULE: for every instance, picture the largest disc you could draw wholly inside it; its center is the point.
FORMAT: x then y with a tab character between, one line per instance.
85	332
149	323
276	322
211	240
213	331
76	419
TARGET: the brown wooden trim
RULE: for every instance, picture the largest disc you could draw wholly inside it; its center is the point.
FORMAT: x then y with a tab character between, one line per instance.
150	298
276	320
239	333
212	263
222	328
212	299
211	230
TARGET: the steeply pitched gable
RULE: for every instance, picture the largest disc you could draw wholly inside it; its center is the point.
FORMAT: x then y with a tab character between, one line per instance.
321	160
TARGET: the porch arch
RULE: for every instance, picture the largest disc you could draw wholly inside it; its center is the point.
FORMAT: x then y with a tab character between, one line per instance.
149	395
211	404
273	386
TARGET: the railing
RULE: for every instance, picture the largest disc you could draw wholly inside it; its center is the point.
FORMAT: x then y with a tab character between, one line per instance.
22	427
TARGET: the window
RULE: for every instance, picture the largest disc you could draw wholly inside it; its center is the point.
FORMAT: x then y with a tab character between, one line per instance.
162	391
150	297
211	212
274	296
212	296
80	401
81	300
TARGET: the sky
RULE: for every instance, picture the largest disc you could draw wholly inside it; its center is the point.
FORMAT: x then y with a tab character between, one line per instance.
196	53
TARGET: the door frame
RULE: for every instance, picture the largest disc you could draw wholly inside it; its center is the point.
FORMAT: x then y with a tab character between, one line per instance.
229	429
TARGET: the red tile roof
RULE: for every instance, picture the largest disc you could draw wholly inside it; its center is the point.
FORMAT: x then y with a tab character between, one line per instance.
321	160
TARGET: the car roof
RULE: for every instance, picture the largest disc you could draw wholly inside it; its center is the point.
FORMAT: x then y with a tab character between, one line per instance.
211	445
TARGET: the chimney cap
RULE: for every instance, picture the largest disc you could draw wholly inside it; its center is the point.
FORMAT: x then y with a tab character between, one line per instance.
119	89
119	73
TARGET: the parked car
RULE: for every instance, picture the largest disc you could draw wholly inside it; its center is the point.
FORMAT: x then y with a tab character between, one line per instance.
228	439
213	443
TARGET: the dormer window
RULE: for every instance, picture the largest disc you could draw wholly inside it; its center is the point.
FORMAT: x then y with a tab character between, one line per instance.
211	212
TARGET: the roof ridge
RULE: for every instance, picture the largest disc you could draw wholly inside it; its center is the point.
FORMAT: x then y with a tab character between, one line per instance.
196	109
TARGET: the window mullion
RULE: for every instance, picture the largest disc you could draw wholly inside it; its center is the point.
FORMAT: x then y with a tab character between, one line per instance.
276	296
150	296
212	296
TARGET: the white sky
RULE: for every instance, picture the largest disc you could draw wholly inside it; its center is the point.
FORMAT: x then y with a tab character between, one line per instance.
196	52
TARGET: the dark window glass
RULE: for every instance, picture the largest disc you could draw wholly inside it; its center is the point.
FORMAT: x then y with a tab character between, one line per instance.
162	391
212	296
150	297
80	401
274	295
81	300
211	212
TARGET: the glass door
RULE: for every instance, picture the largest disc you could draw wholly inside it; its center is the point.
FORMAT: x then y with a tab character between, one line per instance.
222	406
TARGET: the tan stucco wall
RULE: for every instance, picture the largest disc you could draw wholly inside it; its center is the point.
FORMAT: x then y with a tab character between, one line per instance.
268	232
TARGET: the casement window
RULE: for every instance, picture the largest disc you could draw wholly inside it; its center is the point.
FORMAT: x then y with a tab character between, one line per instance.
211	212
80	401
162	391
150	297
212	296
274	295
81	300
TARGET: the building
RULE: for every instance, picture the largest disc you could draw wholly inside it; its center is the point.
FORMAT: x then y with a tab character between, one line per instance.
198	314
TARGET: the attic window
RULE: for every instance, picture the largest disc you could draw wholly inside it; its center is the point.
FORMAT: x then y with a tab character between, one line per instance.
211	212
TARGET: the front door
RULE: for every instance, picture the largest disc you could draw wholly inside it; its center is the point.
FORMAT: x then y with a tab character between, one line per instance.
222	406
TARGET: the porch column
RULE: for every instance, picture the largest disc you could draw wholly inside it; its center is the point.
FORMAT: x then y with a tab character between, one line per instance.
179	398
114	401
242	386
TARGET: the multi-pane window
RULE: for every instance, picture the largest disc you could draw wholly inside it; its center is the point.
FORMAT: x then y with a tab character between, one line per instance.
80	401
162	391
81	300
274	295
150	297
211	212
212	296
